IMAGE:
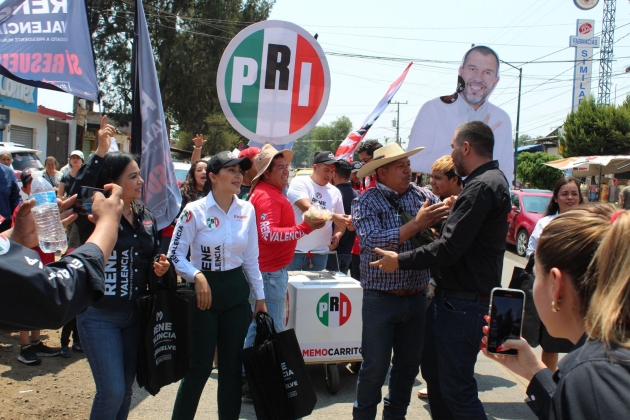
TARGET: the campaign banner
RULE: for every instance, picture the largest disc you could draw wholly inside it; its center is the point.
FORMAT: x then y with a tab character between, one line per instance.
273	83
348	146
46	44
161	192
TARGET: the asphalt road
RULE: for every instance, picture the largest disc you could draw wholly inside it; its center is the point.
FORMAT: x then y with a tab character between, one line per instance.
501	392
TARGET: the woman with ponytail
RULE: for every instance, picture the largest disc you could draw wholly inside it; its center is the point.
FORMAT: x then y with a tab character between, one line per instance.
582	293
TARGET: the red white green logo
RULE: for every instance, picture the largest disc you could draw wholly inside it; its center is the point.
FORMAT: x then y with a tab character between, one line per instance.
334	309
273	82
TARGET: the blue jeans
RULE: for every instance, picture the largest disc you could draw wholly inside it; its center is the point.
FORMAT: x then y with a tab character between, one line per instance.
301	262
110	341
395	323
339	262
451	344
275	287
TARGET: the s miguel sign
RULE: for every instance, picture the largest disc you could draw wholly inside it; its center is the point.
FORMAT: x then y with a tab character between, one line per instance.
273	82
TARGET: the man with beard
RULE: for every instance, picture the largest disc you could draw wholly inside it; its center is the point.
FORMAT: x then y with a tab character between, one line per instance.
390	216
437	120
468	261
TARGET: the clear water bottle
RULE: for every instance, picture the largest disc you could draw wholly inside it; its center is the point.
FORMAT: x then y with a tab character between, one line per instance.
52	236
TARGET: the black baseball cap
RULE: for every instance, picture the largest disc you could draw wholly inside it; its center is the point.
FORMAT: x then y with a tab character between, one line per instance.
325	157
225	159
343	164
356	166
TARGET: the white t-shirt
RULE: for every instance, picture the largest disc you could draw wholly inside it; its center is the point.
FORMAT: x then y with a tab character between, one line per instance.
326	196
436	123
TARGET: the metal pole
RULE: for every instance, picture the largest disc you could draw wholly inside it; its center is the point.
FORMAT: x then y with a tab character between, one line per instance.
398	120
518	120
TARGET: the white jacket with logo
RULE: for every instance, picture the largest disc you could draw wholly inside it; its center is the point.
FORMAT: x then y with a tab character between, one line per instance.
217	241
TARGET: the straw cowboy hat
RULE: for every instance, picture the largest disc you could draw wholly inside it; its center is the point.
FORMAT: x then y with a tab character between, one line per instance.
263	159
385	155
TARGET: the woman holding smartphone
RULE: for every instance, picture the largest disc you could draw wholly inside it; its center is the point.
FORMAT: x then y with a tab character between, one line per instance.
220	232
581	293
566	195
110	328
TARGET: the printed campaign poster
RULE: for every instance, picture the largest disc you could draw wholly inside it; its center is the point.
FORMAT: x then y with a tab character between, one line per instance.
437	120
46	43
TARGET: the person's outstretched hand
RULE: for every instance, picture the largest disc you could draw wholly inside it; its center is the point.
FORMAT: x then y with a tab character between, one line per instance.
525	363
105	132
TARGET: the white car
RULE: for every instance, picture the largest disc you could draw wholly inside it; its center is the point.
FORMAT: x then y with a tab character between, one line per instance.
23	158
181	170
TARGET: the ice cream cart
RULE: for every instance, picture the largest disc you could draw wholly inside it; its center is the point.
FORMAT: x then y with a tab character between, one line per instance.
324	308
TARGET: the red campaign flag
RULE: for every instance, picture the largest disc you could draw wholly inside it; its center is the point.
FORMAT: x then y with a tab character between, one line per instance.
347	147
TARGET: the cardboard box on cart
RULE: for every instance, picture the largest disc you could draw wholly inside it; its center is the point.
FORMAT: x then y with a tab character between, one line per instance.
325	311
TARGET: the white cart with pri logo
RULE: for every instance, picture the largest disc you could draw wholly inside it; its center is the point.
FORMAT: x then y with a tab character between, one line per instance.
325	310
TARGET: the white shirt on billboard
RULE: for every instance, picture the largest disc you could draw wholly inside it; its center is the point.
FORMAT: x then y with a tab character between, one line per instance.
328	197
436	123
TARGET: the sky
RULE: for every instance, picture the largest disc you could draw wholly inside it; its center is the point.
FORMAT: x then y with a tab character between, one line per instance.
533	35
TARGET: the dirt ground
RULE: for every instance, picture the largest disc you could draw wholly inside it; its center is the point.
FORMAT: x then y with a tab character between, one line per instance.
57	388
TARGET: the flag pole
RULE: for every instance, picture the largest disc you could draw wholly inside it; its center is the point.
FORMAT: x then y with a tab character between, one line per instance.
136	115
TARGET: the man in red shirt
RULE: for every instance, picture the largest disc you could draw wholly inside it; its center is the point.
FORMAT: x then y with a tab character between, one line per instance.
277	231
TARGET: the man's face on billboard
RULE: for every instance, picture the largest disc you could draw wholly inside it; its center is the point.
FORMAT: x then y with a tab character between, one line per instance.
480	74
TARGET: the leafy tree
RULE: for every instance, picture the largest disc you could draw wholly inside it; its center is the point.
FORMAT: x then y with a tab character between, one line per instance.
597	130
188	39
530	168
321	137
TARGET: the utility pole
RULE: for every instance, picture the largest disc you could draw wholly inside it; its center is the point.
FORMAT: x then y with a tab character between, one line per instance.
398	104
518	115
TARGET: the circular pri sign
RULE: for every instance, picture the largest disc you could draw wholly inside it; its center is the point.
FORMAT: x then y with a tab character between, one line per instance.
334	309
585	4
273	82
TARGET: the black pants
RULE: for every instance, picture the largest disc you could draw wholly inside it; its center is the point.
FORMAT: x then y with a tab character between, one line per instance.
355	267
223	326
70	327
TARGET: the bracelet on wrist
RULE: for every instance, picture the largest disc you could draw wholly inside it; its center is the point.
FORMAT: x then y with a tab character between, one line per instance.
196	148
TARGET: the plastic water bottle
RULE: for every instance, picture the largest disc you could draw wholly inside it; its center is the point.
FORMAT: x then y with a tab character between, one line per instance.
52	236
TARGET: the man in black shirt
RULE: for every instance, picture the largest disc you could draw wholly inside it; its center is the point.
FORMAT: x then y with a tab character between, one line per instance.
468	261
341	180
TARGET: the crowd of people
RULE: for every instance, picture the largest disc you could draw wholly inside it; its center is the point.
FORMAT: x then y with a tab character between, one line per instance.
242	227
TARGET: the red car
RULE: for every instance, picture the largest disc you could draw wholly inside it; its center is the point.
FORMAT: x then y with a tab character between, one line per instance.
528	206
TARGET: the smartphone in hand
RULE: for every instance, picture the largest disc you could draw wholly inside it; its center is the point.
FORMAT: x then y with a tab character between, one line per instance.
83	205
507	307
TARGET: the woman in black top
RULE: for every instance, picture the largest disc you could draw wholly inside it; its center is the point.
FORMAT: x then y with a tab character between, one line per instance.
581	293
109	328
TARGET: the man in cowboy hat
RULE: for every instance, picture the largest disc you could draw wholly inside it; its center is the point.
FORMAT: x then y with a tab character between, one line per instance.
394	304
468	258
277	230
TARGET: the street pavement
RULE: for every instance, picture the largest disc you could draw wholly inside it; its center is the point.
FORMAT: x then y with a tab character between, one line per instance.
501	392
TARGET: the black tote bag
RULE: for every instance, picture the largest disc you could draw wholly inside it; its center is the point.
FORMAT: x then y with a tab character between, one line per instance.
523	279
280	385
165	334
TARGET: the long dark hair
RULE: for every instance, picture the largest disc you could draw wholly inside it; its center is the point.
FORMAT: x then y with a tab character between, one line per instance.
553	207
189	186
112	168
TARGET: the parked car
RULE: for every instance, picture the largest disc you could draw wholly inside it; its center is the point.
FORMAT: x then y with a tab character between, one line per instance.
23	158
528	206
181	170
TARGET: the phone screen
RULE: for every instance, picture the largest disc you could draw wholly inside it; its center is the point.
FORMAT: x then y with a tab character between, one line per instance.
83	205
506	318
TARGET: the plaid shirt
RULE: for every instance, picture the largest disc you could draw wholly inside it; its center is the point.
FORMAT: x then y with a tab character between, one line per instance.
377	225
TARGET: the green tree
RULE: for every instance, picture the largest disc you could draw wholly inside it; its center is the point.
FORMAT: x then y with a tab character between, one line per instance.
188	39
597	130
321	137
530	168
